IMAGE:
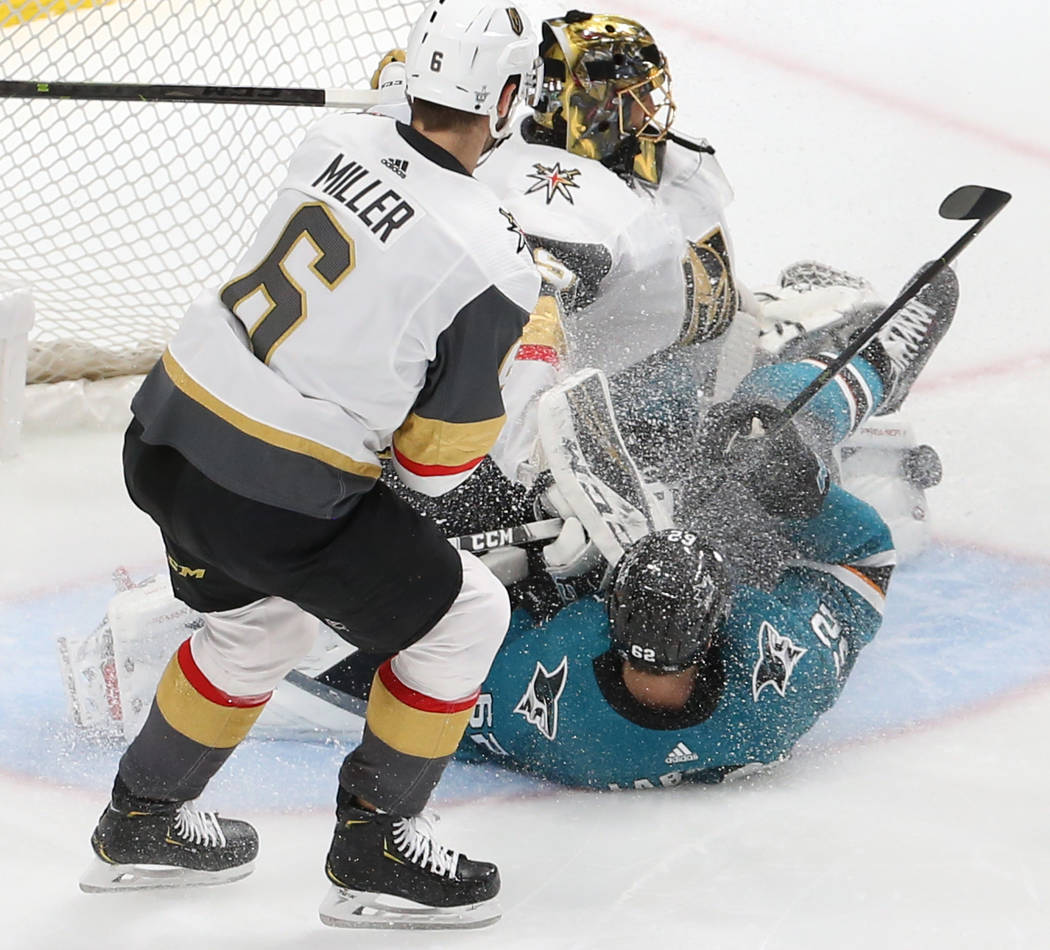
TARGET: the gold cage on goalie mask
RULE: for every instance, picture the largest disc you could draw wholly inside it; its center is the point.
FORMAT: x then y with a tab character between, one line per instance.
608	84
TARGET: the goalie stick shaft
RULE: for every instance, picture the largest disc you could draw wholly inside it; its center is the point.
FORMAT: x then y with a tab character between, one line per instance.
502	537
231	95
475	543
325	693
966	203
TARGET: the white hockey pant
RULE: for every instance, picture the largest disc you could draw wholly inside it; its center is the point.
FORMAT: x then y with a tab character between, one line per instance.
248	651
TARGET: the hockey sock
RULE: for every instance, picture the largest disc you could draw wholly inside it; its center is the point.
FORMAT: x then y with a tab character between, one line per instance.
191	730
408	740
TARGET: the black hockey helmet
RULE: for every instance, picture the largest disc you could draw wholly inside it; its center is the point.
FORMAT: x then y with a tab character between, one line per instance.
669	596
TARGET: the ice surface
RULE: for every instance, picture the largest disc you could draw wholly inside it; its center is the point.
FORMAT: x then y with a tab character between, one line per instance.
841	126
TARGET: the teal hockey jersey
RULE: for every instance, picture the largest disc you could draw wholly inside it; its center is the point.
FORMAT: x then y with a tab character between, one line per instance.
554	703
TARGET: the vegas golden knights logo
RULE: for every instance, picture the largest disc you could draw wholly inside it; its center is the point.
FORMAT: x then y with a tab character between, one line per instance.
710	295
515	21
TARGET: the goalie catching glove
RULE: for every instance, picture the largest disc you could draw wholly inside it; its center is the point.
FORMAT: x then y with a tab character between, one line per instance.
781	472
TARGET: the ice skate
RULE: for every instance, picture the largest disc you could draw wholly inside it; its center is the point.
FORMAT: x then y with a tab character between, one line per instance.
158	844
909	339
389	872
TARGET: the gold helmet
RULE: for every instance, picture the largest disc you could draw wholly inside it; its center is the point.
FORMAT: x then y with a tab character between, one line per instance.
608	89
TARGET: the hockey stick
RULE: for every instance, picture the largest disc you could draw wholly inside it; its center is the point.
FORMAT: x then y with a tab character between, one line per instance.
236	95
502	537
325	693
968	203
475	543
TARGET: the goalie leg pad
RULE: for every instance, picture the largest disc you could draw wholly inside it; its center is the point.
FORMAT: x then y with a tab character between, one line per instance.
592	467
878	466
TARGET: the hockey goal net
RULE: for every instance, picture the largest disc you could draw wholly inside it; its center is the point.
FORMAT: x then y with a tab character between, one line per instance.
117	213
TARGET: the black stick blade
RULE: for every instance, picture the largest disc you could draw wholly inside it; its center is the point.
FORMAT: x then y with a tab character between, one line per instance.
973	203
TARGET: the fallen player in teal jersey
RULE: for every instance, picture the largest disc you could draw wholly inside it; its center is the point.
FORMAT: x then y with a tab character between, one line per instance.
717	643
684	671
663	693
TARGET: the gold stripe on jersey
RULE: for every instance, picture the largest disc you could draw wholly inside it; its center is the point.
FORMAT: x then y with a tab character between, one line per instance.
195	717
459	412
436	443
413	731
258	430
544	327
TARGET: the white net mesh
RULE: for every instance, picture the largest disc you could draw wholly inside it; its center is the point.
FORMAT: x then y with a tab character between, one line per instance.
117	213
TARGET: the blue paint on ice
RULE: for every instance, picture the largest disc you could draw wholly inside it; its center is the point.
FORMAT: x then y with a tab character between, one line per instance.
962	628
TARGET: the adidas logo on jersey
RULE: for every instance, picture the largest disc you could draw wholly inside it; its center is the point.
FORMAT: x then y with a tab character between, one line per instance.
399	166
681	753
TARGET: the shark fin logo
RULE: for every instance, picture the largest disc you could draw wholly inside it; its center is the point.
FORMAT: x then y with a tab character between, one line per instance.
539	705
777	659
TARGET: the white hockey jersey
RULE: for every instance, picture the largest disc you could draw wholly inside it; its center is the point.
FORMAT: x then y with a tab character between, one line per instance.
375	309
629	244
632	248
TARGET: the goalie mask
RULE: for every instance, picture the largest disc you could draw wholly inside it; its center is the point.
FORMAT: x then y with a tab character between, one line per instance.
461	53
668	598
608	91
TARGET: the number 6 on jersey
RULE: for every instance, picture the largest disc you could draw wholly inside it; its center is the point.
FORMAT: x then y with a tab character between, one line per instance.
271	286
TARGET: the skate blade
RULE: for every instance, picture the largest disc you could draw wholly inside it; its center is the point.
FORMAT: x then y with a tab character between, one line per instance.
346	908
102	877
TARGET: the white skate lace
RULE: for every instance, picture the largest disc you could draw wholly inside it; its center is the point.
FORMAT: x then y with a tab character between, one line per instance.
199	827
907	331
414	838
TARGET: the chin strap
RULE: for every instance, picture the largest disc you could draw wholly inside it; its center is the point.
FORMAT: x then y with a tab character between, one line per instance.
702	146
621	159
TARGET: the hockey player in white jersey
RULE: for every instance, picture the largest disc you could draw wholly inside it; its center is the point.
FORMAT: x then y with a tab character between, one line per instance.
627	219
602	183
381	298
596	177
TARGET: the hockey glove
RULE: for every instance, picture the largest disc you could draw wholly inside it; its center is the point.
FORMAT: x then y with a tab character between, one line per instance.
572	559
781	472
486	500
390	73
556	276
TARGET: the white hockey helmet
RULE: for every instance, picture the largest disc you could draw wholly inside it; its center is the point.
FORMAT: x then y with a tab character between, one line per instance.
461	53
